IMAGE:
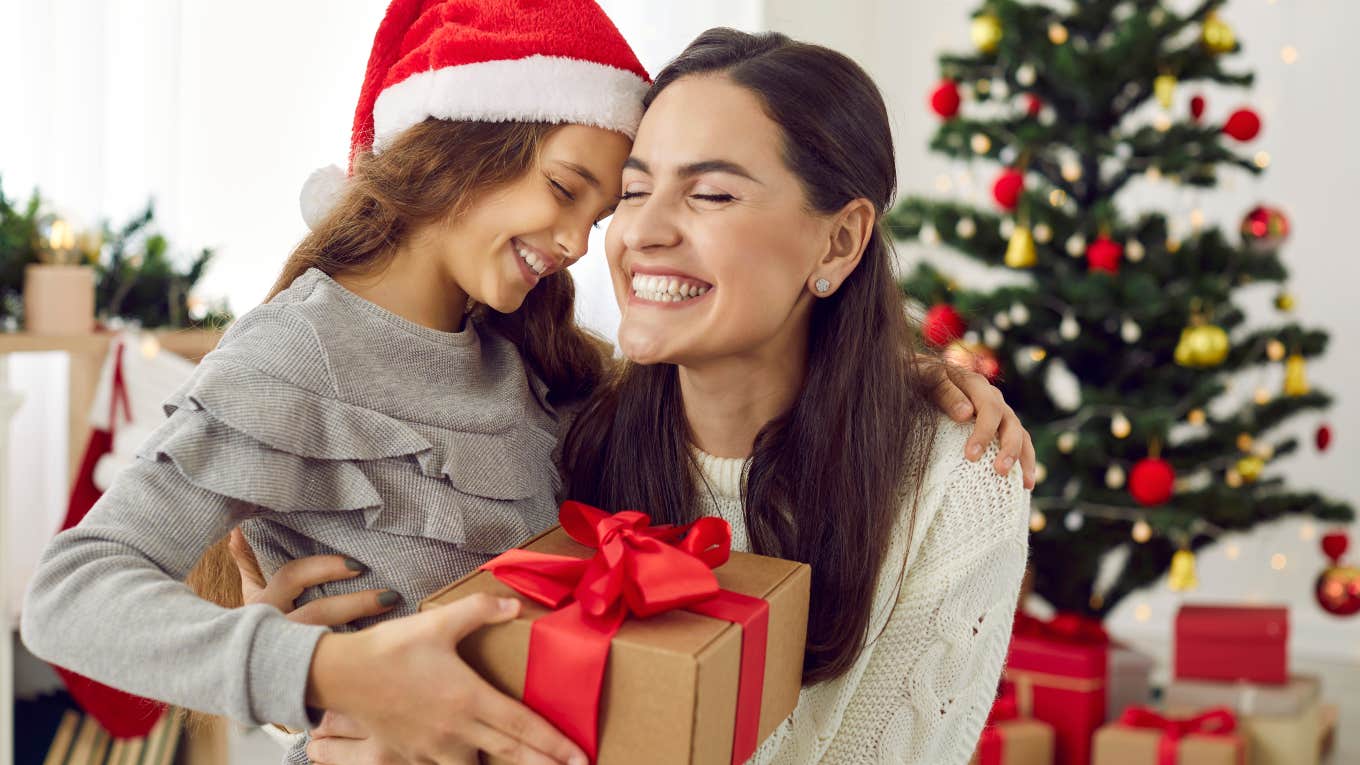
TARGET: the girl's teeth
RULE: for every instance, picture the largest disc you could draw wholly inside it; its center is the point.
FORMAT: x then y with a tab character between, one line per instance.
535	263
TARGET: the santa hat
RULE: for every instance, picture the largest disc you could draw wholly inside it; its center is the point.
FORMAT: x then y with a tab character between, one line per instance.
556	61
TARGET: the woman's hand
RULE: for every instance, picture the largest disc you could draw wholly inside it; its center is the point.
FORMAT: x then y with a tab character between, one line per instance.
961	393
341	740
403	681
288	583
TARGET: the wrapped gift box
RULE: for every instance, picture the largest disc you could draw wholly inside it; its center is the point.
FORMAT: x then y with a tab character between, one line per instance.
1231	643
1060	670
1020	742
670	691
1122	743
58	299
1279	723
1328	715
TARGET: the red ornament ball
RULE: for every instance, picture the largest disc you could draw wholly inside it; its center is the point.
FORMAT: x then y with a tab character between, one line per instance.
1006	190
1151	481
1335	544
1243	124
1197	107
943	325
1338	590
1033	105
1323	437
1104	254
1264	228
945	99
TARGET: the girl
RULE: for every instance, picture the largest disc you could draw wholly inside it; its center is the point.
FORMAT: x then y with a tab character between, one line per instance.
363	413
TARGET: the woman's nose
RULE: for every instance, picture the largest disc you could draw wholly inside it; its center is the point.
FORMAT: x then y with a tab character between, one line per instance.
649	227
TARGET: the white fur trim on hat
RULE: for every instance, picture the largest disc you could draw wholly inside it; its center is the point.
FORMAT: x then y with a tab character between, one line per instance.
534	89
320	194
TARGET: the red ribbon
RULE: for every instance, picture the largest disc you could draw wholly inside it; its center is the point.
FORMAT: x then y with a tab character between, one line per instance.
1219	721
1063	628
640	569
991	746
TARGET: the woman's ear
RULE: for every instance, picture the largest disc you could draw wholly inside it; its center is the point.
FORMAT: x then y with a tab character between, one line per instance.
851	229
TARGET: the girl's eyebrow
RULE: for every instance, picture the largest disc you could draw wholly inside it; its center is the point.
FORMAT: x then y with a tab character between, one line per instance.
698	168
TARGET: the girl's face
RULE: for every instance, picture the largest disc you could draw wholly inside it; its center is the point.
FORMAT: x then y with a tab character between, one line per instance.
713	245
537	225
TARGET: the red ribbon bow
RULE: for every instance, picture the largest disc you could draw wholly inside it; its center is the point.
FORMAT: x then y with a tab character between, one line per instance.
1063	628
1219	721
640	569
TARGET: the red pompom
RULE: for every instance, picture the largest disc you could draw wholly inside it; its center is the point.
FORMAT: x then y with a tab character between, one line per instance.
1323	437
1007	188
1334	545
1103	255
945	100
1197	107
1243	125
1033	105
943	325
1151	482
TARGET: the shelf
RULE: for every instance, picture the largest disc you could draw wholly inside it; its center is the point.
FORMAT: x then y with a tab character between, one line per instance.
192	344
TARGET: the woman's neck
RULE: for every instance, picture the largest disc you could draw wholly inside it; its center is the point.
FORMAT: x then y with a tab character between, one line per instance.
413	284
729	400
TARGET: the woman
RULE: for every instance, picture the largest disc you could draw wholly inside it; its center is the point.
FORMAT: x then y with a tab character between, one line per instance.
771	381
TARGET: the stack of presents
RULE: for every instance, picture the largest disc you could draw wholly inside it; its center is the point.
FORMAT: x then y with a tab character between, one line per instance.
1071	696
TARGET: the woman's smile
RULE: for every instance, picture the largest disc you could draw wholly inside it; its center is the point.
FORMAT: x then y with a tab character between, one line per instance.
666	288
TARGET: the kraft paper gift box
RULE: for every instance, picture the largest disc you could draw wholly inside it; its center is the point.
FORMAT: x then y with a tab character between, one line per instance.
1143	737
678	687
1280	723
58	299
1009	739
1231	643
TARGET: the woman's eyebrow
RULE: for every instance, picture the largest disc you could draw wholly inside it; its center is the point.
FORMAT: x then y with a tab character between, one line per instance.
698	168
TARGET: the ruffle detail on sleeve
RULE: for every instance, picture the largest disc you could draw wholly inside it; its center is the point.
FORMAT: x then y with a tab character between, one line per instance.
244	434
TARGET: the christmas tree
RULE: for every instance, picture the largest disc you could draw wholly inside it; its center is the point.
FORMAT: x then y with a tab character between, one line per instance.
1119	338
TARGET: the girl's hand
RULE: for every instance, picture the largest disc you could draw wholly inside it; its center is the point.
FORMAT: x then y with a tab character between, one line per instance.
962	393
288	583
341	740
403	681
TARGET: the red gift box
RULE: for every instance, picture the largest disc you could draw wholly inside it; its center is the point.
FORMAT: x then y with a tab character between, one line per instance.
1059	670
1232	643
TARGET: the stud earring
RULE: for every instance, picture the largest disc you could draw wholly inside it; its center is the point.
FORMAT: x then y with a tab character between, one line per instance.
822	285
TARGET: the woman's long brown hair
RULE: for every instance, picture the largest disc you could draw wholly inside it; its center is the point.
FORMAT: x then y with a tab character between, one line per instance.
432	171
828	479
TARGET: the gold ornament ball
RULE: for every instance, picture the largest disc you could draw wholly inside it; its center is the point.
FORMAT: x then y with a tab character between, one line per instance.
986	32
1120	427
1142	532
1284	302
1244	442
1205	345
1217	36
1232	478
1250	468
1165	88
1195	417
1057	33
1020	252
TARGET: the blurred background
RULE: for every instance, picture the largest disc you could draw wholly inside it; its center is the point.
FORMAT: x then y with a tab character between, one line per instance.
184	127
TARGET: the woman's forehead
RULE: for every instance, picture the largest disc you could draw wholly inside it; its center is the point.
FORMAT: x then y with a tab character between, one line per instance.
704	118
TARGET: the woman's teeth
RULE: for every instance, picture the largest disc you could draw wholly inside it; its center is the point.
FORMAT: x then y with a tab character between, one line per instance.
666	289
529	256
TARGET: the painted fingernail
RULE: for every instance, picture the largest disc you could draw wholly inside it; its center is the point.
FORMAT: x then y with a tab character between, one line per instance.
963	410
1006	464
974	450
354	565
508	604
389	598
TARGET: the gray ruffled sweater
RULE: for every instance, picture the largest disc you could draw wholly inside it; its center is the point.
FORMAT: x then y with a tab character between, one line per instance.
321	424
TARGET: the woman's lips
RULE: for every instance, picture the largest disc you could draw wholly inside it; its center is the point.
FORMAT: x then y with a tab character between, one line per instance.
667	288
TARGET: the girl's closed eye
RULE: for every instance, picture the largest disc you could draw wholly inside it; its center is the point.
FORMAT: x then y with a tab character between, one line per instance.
561	191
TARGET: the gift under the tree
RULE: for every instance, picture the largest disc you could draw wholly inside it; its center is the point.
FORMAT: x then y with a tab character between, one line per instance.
1280	723
704	647
1060	670
1232	643
1142	736
1009	739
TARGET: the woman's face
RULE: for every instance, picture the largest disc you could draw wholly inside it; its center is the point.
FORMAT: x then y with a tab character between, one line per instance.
713	245
539	224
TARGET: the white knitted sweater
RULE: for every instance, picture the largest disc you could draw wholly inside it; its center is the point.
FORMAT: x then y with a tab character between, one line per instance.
921	690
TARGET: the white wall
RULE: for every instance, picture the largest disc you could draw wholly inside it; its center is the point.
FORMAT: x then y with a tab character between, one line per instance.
1308	126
